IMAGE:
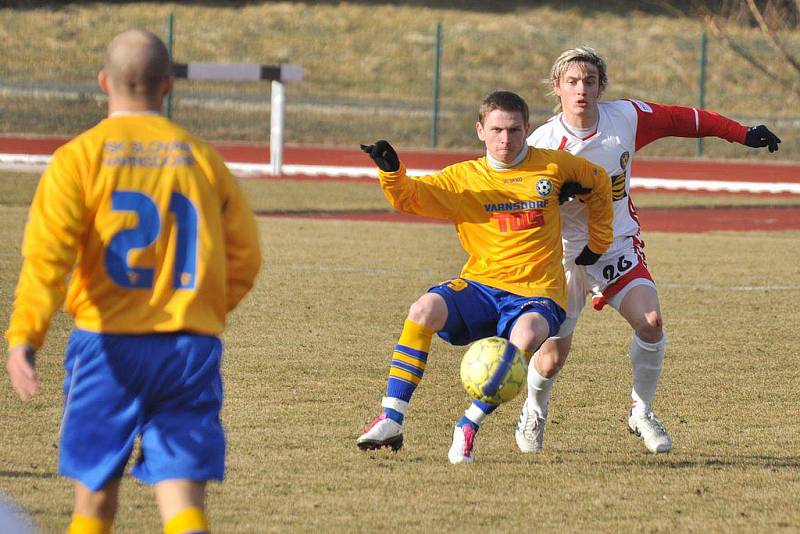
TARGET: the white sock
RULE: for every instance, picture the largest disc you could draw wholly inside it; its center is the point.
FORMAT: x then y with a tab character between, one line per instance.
539	389
475	414
646	362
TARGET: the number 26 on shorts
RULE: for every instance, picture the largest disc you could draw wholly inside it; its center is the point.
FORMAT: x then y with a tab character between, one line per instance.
612	272
145	234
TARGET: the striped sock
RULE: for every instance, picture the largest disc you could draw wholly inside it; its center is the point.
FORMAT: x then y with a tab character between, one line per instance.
409	359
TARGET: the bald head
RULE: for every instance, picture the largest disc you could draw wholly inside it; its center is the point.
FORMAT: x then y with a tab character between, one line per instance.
137	65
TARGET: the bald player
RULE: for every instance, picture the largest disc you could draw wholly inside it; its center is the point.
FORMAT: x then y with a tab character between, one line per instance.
160	245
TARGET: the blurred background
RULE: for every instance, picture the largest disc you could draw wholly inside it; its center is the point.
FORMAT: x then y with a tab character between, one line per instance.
409	71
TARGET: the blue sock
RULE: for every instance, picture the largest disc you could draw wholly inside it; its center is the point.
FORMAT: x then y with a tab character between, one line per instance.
476	413
394	415
464	421
485	406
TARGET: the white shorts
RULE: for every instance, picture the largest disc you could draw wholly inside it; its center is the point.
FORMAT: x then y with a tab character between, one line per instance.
619	270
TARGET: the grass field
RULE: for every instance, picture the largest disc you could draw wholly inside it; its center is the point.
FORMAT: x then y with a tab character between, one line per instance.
369	66
306	362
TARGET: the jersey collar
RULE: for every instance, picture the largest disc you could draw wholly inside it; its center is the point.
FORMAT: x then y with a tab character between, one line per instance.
500	166
581	134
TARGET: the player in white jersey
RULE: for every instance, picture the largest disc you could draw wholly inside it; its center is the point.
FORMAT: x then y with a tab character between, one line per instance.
608	134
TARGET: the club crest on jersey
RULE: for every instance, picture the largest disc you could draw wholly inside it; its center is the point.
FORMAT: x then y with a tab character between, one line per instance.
544	187
618	181
624	159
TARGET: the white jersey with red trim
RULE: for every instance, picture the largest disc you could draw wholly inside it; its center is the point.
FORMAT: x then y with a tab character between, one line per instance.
624	126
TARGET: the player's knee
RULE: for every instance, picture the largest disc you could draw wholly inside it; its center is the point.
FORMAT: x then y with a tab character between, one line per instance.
554	353
651	328
548	363
429	311
529	332
102	503
525	342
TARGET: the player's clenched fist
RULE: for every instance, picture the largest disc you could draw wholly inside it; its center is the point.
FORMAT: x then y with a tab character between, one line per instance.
383	155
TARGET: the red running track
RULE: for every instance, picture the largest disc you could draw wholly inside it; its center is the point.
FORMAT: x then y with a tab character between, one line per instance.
685	220
436	159
668	220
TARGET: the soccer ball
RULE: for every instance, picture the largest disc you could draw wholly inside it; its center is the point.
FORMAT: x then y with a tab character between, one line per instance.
493	370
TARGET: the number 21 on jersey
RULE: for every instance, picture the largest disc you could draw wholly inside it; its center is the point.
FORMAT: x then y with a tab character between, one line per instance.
145	233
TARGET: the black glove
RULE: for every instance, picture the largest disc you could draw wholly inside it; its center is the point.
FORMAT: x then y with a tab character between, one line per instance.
383	155
587	257
760	136
570	189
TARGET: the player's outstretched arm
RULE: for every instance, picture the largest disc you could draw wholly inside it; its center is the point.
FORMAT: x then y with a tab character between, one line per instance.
433	195
21	369
760	137
383	155
656	121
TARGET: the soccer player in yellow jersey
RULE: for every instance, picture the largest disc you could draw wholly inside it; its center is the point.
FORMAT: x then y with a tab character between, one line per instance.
160	244
506	210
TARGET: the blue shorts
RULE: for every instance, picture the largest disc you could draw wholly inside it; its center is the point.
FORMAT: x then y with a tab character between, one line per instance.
166	388
476	311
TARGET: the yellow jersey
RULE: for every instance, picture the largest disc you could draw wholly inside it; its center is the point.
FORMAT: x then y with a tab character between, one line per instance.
151	224
508	221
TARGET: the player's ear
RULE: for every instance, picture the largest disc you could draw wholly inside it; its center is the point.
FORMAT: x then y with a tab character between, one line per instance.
479	129
102	81
167	86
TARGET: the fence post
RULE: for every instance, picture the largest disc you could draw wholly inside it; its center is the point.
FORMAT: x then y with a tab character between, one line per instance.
701	103
170	41
277	103
436	85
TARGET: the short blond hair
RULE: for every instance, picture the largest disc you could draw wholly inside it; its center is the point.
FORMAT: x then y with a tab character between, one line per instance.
583	54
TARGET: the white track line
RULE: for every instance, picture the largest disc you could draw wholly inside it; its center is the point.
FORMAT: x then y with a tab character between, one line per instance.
32	162
715	185
260	169
711	287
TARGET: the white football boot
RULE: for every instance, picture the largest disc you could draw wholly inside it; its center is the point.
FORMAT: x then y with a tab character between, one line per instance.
648	427
462	449
383	432
530	430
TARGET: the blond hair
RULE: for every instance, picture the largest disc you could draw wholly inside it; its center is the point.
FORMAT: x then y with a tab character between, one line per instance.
571	57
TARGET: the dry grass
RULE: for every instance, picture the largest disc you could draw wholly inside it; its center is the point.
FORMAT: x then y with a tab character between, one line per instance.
369	66
307	356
